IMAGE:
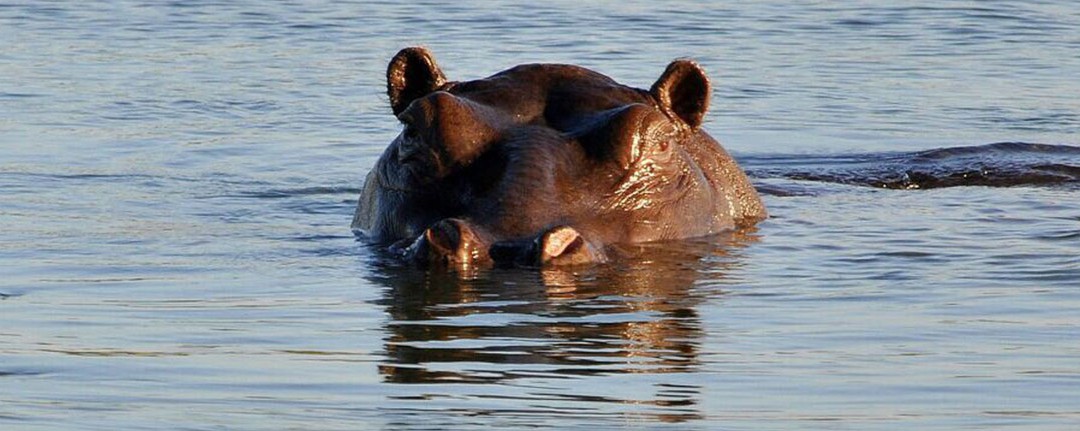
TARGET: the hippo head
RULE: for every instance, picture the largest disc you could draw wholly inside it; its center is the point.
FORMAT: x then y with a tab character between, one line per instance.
547	164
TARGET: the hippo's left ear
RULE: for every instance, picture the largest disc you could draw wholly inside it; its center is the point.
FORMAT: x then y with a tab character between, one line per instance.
683	90
412	74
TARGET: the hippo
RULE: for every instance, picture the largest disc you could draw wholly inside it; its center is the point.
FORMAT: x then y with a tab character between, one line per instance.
546	164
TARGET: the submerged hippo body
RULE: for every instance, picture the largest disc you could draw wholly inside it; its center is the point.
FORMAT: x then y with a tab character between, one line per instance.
547	164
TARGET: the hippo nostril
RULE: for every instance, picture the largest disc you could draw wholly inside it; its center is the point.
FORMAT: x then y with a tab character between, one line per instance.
562	242
564	245
444	236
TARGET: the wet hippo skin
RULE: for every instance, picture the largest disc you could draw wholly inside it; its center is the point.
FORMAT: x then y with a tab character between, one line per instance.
547	164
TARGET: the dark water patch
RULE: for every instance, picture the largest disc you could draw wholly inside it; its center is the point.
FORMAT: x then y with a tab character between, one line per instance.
315	26
108	353
1062	236
997	148
1065	120
302	191
1004	164
39	178
795	188
858	23
19	373
82	176
332	252
142	109
11	95
318	238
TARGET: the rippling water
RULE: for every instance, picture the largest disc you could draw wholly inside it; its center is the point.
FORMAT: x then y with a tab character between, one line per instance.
177	181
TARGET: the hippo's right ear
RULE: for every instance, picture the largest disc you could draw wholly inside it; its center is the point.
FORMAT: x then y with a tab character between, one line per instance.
412	74
683	90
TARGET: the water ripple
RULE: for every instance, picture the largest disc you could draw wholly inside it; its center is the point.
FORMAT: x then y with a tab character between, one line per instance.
1005	164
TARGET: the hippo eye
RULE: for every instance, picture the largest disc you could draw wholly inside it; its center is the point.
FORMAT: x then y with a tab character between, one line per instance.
410	132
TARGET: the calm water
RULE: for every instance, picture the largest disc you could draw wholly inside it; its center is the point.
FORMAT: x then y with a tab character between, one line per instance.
177	180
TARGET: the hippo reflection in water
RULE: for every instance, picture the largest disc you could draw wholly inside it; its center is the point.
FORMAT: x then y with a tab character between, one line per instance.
547	164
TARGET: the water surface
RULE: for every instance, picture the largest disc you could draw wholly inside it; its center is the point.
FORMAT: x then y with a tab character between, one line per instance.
177	181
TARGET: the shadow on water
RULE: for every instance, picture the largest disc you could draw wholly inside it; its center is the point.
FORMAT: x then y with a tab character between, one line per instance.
1004	164
635	320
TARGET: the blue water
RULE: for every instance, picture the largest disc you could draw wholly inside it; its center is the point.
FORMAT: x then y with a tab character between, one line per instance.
177	181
